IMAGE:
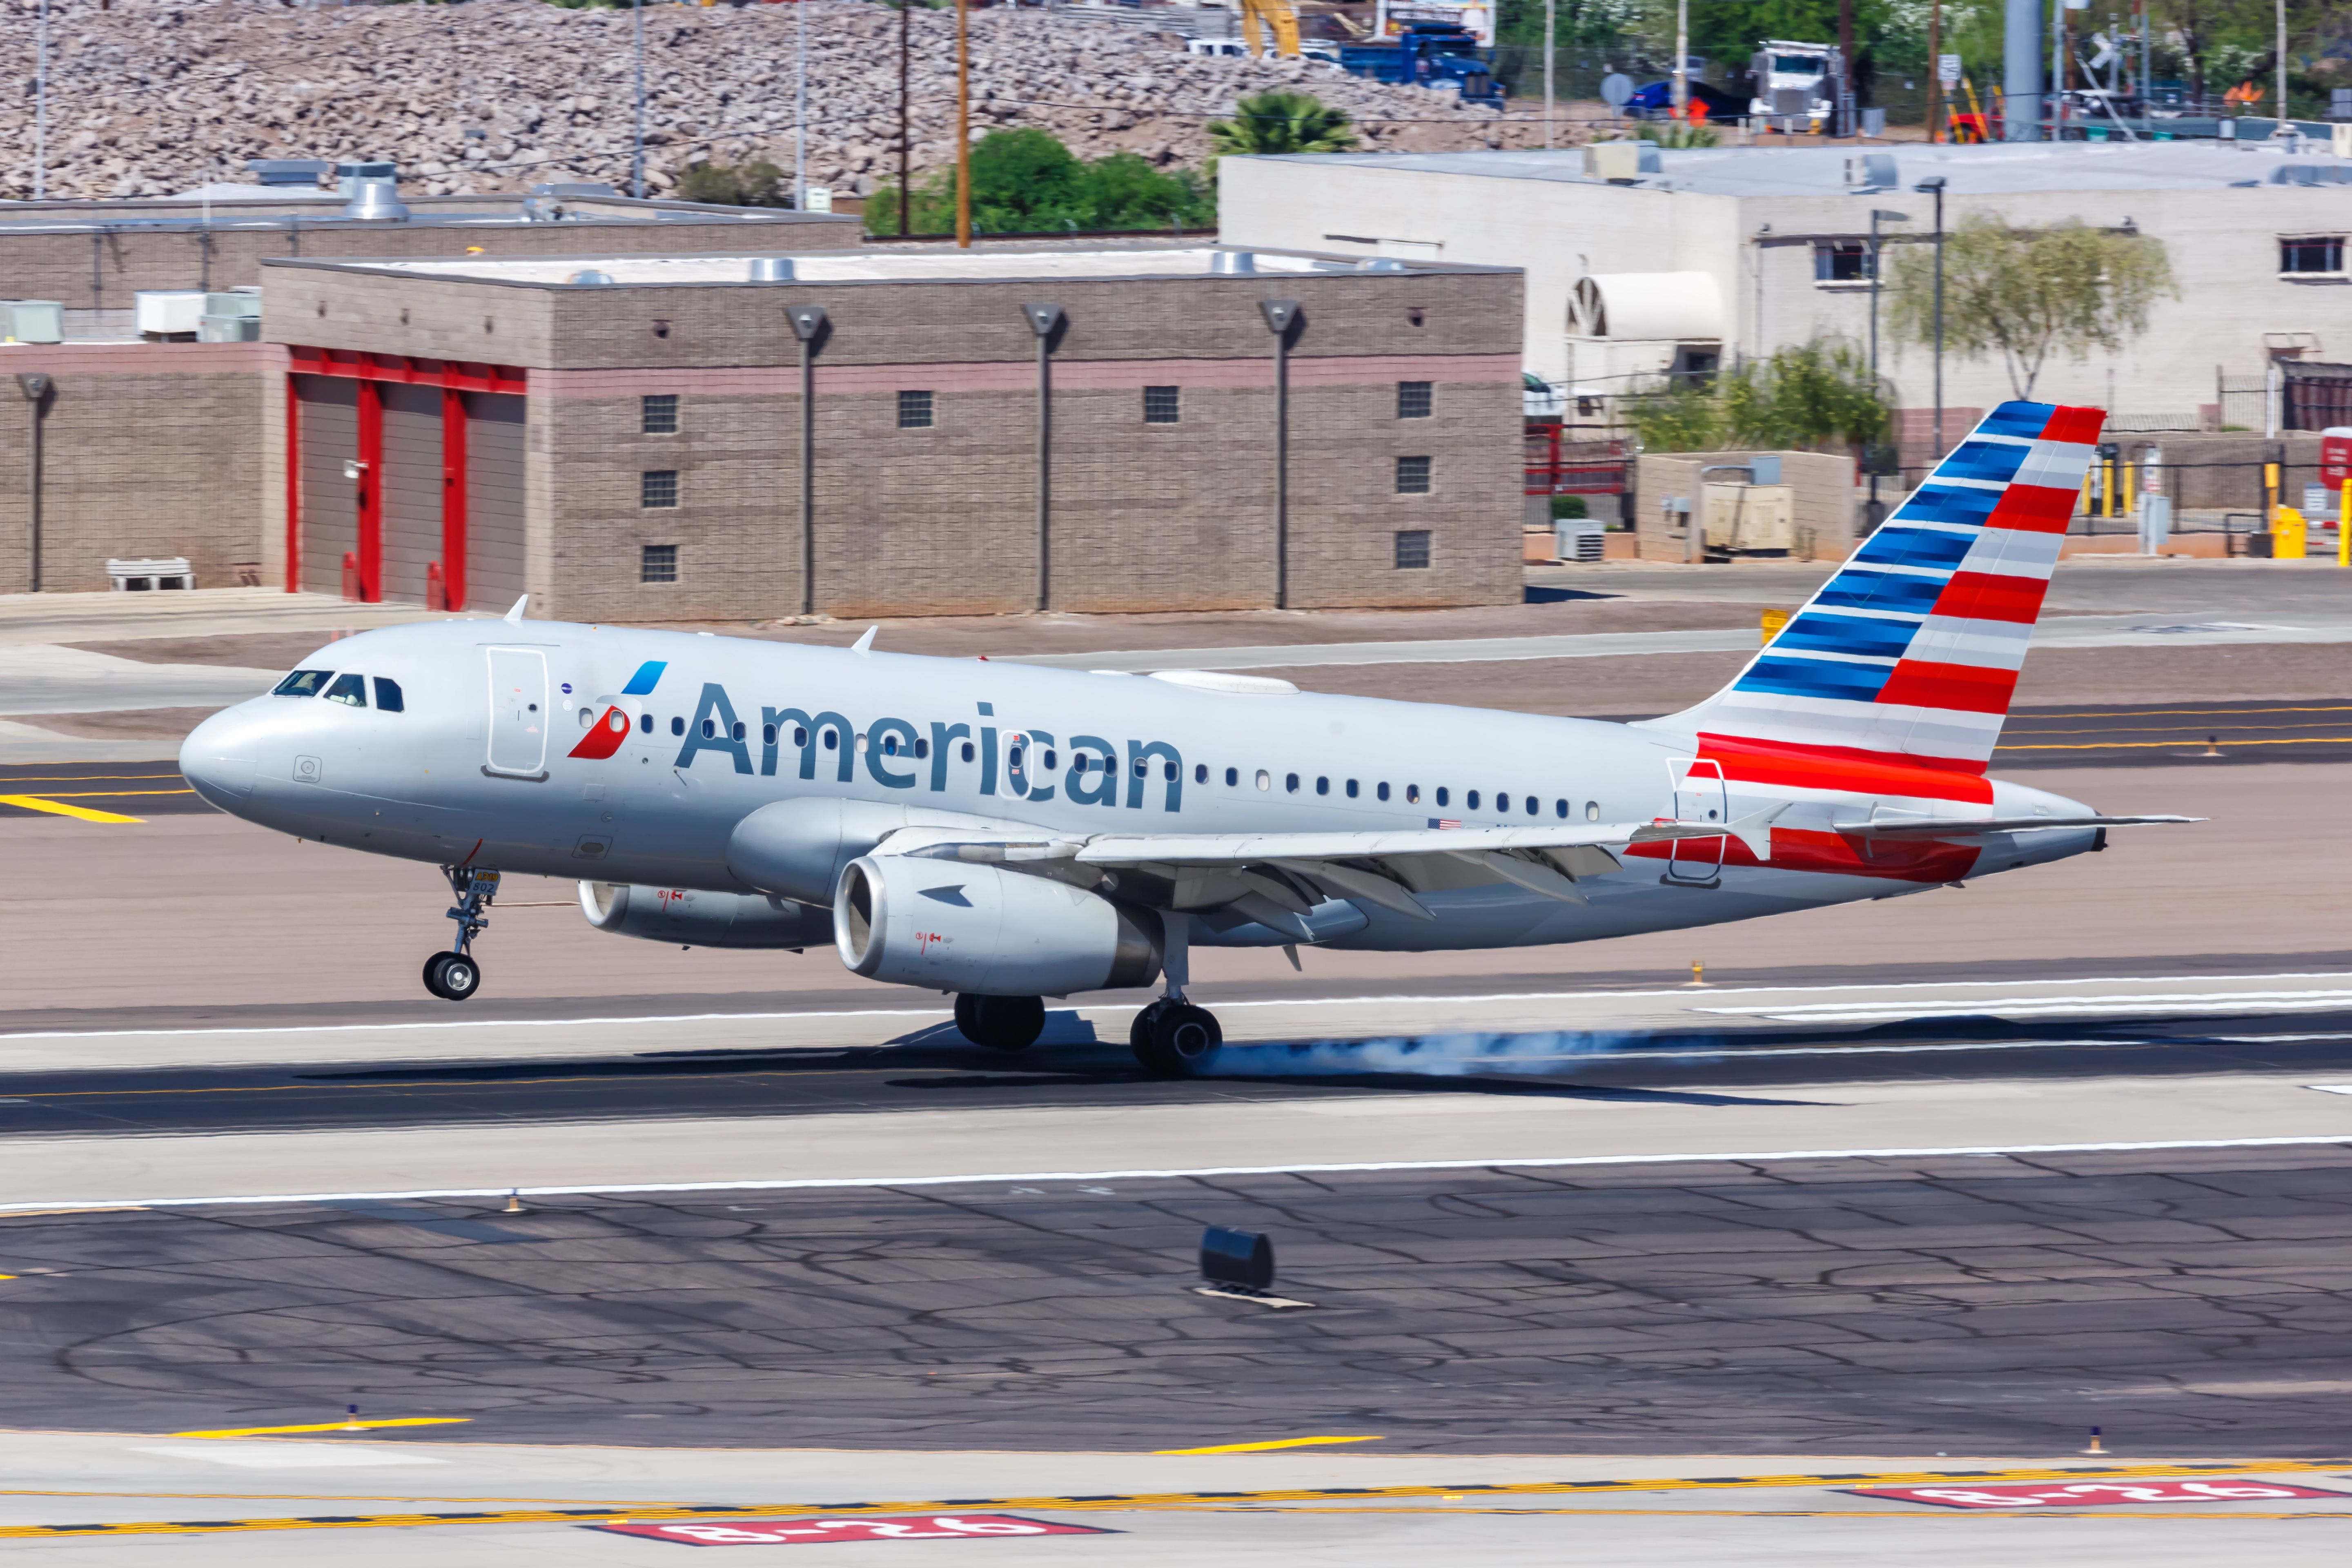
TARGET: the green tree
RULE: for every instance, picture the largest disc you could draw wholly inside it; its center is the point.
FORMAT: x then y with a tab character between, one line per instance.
1026	182
2027	293
1268	123
755	183
1817	396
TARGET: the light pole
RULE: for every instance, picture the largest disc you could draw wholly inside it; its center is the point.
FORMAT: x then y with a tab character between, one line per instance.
1934	185
637	156
1551	104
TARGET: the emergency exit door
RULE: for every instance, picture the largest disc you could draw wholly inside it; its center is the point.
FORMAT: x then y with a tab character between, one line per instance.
1699	796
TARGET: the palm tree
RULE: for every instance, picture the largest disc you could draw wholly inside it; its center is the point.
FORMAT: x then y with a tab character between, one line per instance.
1268	123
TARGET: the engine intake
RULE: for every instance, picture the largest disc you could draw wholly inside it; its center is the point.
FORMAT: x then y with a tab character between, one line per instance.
694	918
987	931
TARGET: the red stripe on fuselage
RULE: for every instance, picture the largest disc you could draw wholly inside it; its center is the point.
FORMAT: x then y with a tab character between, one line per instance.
1981	596
1960	688
1848	769
1835	854
604	737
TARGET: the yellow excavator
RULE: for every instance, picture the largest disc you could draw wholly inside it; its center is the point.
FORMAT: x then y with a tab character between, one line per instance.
1257	15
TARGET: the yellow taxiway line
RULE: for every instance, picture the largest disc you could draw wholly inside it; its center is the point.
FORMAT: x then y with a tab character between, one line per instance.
333	1427
34	803
1266	1447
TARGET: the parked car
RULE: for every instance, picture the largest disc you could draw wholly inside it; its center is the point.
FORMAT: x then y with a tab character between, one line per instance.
1656	102
1539	399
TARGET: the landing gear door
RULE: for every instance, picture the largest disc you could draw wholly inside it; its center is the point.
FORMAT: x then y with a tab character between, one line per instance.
519	712
1698	797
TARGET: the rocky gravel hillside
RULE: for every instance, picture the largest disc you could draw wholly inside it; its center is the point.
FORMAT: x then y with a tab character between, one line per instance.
149	98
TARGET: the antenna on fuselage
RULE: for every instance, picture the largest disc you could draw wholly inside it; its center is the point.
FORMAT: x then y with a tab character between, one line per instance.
515	614
865	643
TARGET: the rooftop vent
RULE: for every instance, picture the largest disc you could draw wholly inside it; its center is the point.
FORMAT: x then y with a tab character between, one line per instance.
304	171
1233	263
772	270
376	201
590	278
348	176
1618	162
1868	170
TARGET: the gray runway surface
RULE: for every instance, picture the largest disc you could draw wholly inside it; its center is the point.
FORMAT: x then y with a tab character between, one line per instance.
2189	1304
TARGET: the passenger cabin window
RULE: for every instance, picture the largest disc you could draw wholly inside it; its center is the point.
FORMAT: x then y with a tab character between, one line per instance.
303	683
677	726
387	696
350	689
1233	777
1382	792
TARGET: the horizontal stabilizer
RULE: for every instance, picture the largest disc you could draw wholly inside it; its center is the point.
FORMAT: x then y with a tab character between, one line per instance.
1953	827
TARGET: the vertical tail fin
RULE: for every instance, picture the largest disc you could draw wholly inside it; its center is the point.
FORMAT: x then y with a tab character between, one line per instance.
1909	654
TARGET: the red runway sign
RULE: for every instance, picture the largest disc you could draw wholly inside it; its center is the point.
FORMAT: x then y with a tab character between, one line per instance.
2077	1494
818	1531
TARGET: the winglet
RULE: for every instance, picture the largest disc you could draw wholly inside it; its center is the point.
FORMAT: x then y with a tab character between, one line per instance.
865	643
515	614
1755	830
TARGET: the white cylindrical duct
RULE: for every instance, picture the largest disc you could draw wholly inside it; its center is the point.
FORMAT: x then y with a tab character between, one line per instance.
1676	306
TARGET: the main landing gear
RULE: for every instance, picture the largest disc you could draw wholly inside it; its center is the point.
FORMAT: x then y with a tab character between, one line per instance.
455	975
1001	1023
1172	1037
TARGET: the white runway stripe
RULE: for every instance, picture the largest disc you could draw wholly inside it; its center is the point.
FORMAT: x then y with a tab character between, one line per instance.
1986	1150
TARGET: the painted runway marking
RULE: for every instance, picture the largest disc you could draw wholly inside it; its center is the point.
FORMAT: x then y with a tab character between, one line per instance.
1265	1448
2043	1006
811	1183
1678	993
59	808
1336	1498
333	1427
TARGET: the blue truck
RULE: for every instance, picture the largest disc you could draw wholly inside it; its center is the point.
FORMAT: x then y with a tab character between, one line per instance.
1427	54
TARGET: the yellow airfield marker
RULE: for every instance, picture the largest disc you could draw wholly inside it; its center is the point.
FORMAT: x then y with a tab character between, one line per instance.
1262	1447
332	1426
34	803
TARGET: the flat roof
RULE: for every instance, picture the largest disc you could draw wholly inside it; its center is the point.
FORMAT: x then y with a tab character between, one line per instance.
2002	168
305	209
880	266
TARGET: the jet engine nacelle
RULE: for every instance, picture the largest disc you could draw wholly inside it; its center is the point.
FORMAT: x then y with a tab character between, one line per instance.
798	847
693	918
987	931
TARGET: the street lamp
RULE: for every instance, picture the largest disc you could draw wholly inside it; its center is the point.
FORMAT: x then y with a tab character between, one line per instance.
1934	185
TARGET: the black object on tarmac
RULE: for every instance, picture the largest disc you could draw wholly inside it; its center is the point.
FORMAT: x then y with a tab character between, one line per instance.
1237	1258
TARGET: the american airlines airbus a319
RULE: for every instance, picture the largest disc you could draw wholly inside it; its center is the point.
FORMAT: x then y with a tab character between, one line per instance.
1008	833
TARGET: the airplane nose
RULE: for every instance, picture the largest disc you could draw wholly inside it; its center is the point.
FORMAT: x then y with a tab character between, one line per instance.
218	756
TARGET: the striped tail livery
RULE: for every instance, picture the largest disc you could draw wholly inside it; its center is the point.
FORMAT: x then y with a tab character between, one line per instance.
1895	679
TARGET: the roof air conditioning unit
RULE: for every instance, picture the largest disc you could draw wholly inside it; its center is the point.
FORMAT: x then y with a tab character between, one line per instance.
1866	170
168	313
33	320
1618	162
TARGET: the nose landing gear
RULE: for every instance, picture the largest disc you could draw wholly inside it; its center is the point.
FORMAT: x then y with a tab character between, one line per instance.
455	975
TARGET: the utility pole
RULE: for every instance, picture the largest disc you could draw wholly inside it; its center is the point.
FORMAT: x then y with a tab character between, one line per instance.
800	112
1936	70
1934	185
906	14
41	108
1682	59
1551	103
637	156
2278	126
1842	112
963	123
2021	90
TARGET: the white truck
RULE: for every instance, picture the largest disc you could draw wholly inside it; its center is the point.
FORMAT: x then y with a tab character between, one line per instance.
1795	80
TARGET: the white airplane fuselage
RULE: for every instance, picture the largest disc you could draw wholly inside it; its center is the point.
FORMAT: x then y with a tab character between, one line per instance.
624	756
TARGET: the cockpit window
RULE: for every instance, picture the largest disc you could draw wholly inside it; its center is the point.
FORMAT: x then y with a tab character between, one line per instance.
303	683
351	689
387	696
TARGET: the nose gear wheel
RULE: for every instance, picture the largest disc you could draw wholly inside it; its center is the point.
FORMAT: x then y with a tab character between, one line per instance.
455	975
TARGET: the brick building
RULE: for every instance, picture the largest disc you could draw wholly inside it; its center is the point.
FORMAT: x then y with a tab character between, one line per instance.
632	450
166	448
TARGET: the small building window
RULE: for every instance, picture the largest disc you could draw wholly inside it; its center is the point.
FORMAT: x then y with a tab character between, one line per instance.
658	488
1412	399
1413	476
657	414
657	563
914	411
1412	549
1840	261
1163	404
2312	254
